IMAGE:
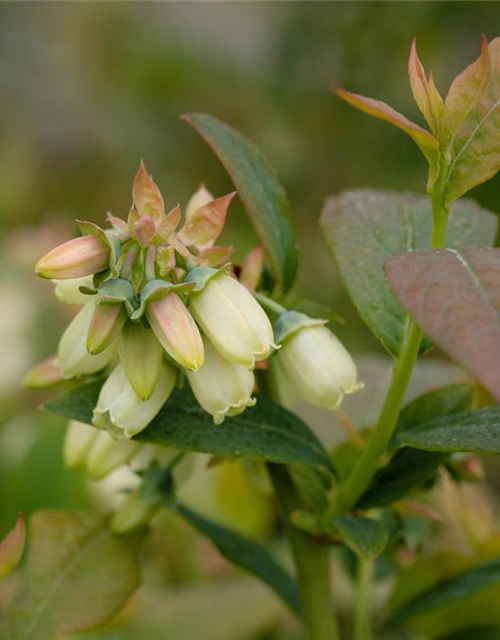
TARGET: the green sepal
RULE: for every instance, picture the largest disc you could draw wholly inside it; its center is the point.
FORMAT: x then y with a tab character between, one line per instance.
100	278
108	237
155	289
292	321
117	291
87	291
201	275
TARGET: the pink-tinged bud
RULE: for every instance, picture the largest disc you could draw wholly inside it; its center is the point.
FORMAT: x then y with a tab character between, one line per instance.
74	259
176	330
12	547
44	375
146	195
142	358
106	324
251	270
205	224
72	355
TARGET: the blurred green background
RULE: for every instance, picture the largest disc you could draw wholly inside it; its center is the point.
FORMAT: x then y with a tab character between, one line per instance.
88	89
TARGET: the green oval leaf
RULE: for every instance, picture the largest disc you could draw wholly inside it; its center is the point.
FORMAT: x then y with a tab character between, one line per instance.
364	228
264	432
262	195
469	431
454	296
366	537
247	554
77	576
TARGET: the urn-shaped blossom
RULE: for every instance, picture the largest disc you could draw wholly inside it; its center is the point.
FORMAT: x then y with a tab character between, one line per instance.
77	442
315	361
119	408
232	319
133	513
106	454
221	387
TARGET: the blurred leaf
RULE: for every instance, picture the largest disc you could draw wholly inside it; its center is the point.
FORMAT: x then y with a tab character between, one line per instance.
77	576
470	123
264	432
427	143
411	468
459	588
258	187
454	296
249	555
470	431
366	537
363	228
12	547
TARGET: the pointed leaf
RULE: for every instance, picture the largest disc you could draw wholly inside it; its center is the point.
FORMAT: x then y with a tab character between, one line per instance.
469	431
387	224
249	555
12	547
205	225
424	91
258	187
427	143
454	295
469	123
146	195
460	588
366	537
167	226
77	576
264	432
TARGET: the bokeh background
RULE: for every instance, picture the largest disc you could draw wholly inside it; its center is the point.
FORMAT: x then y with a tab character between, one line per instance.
90	89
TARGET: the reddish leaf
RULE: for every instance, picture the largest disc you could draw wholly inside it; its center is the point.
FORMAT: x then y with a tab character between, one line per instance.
424	91
454	296
426	141
205	224
471	124
12	547
146	195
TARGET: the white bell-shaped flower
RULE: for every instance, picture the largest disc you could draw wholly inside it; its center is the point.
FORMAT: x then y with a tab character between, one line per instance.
77	442
120	409
233	320
222	388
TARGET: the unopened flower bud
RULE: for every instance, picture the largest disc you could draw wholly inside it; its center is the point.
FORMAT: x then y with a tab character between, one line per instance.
318	364
72	356
74	259
44	375
176	330
77	442
106	454
68	291
120	408
133	513
107	322
222	388
233	320
142	358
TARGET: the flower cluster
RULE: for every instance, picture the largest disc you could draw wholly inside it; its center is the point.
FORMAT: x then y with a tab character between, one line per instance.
159	303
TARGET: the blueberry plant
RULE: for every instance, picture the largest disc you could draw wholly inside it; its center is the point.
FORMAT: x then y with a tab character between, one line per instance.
177	350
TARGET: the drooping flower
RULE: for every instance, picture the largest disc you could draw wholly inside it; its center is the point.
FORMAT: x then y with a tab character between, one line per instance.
222	388
77	442
315	361
132	514
141	356
232	319
122	411
106	454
